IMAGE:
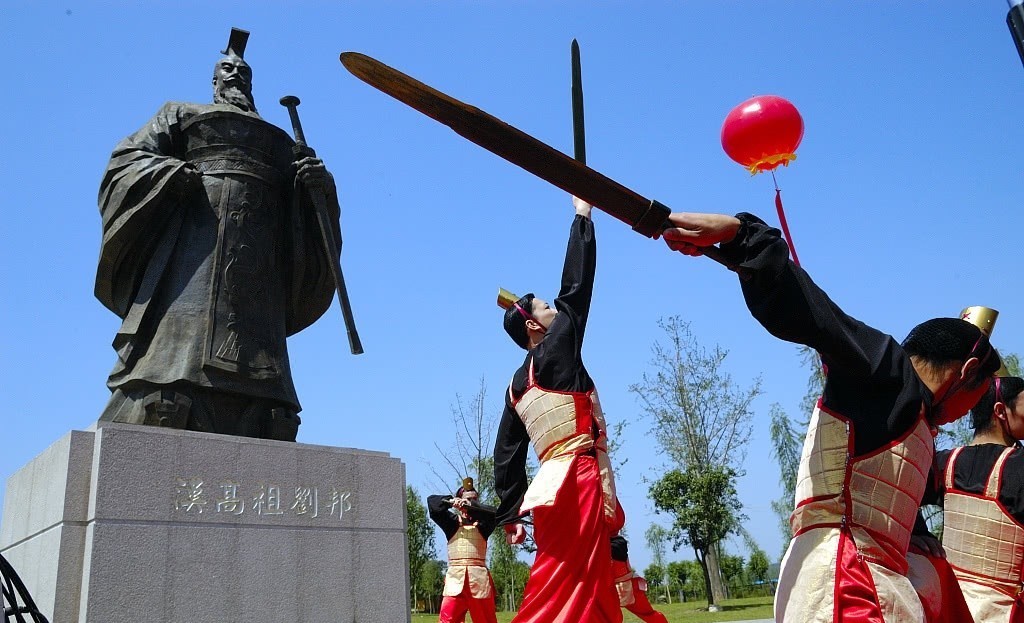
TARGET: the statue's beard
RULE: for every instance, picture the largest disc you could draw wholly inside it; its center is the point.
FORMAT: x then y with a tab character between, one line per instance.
234	96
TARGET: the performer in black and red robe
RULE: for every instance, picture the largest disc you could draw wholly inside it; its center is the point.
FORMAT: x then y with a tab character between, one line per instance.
467	525
981	490
552	403
632	588
868	448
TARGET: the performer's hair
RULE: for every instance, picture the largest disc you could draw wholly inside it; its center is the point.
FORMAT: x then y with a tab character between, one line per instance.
515	322
1008	389
944	341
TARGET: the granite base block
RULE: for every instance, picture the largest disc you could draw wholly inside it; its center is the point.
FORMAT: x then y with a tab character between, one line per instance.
131	523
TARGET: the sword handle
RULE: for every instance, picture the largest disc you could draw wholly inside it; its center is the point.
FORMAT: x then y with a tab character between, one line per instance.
292	102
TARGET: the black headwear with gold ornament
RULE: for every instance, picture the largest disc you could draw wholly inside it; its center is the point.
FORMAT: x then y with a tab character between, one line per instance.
467	485
985	319
517	312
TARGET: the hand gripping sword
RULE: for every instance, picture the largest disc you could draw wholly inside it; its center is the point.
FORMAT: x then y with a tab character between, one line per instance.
647	217
320	205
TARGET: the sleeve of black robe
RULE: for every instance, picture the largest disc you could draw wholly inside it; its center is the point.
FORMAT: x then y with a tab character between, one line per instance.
869	378
558	359
437	508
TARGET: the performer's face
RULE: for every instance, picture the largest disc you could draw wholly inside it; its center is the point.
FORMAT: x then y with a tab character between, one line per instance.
469	496
543	313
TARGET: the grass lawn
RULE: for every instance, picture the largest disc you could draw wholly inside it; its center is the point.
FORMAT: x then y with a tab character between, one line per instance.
690	612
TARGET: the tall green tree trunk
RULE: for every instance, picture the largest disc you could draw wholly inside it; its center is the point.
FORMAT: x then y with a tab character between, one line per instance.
702	558
713	575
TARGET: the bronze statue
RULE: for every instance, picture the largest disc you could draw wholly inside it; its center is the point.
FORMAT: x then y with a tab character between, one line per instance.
212	255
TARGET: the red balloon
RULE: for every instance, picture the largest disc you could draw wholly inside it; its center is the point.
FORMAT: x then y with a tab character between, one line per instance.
762	133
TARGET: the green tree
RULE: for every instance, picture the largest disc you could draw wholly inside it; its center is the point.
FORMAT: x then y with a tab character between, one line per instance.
656	536
616	432
757	566
420	535
704	507
734	571
810	359
691	573
786	446
787	439
509	573
431	584
1012	363
655	576
677	573
702	421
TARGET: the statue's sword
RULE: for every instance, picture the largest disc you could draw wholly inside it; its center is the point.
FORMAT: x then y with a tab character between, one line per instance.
647	217
320	199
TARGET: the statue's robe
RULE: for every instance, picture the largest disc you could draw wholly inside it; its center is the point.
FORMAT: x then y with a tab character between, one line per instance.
210	282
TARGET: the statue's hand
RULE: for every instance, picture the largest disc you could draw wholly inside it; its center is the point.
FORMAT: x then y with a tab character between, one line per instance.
313	174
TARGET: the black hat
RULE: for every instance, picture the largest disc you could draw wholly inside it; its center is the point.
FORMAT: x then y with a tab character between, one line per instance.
236	43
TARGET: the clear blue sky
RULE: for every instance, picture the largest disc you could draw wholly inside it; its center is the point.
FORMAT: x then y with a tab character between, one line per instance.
904	200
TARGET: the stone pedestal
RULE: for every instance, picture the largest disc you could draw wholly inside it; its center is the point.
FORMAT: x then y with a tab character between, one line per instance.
132	523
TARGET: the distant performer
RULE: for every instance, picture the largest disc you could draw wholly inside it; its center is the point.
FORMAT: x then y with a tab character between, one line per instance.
552	404
212	256
981	490
631	587
467	525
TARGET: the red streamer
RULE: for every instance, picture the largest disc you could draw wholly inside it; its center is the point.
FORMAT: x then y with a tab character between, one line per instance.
785	225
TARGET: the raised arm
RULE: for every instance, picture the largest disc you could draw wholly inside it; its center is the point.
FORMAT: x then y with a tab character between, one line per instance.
781	295
437	508
577	287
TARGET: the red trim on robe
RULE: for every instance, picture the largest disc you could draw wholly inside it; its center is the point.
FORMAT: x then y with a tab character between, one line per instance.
856	600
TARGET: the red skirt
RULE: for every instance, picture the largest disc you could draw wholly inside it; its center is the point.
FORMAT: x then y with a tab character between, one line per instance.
571	578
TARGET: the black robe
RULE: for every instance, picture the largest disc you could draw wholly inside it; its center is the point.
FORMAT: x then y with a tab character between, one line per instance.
210	283
869	377
438	508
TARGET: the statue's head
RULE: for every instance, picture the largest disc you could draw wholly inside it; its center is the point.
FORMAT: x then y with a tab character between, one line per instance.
232	76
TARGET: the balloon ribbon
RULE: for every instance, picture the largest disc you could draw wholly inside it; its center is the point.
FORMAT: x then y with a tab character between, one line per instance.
785	225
